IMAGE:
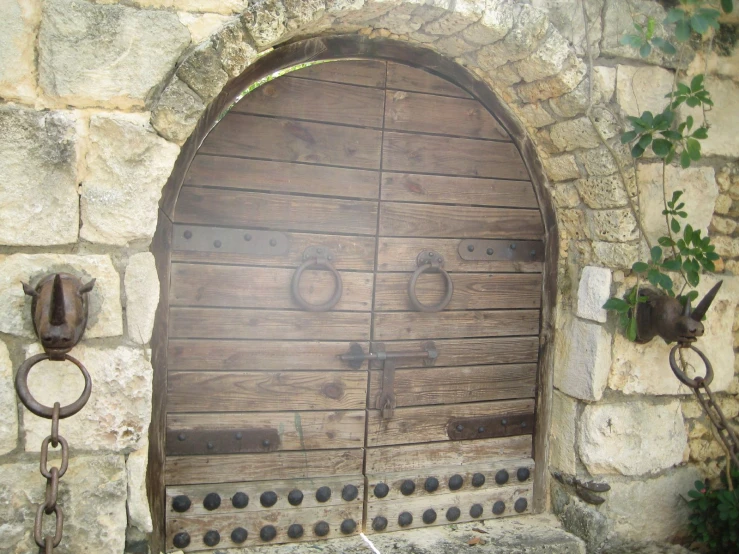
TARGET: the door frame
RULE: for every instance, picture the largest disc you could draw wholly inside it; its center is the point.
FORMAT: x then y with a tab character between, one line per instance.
337	48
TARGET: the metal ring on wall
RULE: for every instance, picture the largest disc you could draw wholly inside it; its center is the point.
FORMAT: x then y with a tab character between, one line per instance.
430	262
24	393
698	381
316	263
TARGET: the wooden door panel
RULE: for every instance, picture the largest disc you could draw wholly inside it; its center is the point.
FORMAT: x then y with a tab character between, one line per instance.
368	73
405	77
259	287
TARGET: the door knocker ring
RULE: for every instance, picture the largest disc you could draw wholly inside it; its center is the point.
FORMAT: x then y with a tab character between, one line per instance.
698	381
316	257
430	262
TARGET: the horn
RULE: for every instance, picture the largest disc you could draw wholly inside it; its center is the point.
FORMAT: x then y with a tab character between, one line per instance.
57	302
87	287
705	303
687	310
29	290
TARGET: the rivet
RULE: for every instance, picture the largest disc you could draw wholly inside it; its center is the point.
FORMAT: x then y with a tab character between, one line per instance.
476	510
521	505
501	477
460	428
240	500
512	246
323	494
431	254
470	248
429	516
381	490
478	480
268	499
273	242
212	538
348	526
295	531
187	234
217	243
504	421
247	237
210	446
212	501
455	482
523	425
523	473
321	529
239	535
265	443
181	437
181	540
319	250
431	484
405	519
267	533
181	503
532	253
349	493
453	513
499	507
379	523
407	487
295	497
239	436
481	429
490	251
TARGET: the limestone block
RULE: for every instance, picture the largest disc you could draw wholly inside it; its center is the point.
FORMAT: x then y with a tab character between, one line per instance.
137	501
177	112
127	166
594	290
92	494
235	49
104	319
202	25
579	518
554	86
561	168
723	118
726	247
574	134
567	17
462	14
576	102
203	73
547	60
142	296
497	19
39	204
106	55
535	115
599	161
17	55
563	433
119	410
340	7
601	192
641	89
265	20
8	403
617	20
529	28
299	13
225	7
583	358
565	195
615	255
572	225
616	225
700	192
631	438
453	46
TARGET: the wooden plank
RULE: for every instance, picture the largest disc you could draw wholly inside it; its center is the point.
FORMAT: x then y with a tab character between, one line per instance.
294	141
191	470
254	490
219	323
479	323
316	100
416	456
226	207
417	387
259	287
405	77
431	220
472	291
262	391
369	73
256	355
350	252
297	430
399	254
409	187
197	526
241	173
394	480
451	156
428	423
409	111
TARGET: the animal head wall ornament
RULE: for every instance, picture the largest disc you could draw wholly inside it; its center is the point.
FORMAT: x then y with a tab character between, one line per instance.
666	316
59	311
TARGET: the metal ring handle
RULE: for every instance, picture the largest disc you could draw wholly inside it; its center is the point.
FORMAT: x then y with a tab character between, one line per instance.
698	381
412	289
312	263
21	387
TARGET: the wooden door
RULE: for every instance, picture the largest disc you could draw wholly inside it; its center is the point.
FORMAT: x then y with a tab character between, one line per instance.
271	436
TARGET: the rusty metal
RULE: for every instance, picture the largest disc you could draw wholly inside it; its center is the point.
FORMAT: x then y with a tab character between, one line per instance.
588	496
35	407
186	442
586	490
190	238
489	250
486	427
317	257
429	261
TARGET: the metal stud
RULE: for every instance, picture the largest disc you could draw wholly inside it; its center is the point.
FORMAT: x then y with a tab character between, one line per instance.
453	513
323	494
455	482
239	436
181	540
429	516
240	500
490	251
348	526
470	248
212	501
476	510
481	429
268	499
212	538
239	535
267	533
460	428
349	493
181	503
381	490
210	446
247	237
295	497
265	443
521	505
405	519
407	487
187	235
501	477
499	507
181	437
321	529
532	253
478	480
379	523
513	246
523	473
272	242
217	243
431	484
295	531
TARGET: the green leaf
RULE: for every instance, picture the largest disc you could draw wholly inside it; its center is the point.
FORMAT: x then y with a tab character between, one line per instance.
637	151
656	253
693	148
671	265
672	135
666	241
665	46
653	276
676	195
616	304
644	141
651	23
645	50
693	278
675	15
648	118
635	41
684	159
688	232
639	267
689	121
675	225
683	89
683	214
696	83
665	282
727	5
713	256
629	136
699	23
692	101
631	331
661	147
682	30
700	133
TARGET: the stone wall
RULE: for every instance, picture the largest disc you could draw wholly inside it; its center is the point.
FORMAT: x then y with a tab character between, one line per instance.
98	97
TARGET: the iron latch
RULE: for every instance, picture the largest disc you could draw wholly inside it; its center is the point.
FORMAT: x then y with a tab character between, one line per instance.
487	427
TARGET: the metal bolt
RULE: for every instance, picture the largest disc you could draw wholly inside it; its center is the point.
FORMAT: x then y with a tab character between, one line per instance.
265	443
429	516
470	248
431	484
323	494
348	526
217	243
240	500
239	436
268	499
490	251
379	523
476	510
181	437
512	246
407	487
212	501
273	242
321	529
456	482
212	538
247	237
239	535
499	507
267	533
523	473
478	480
187	234
181	540
453	513
349	493
501	477
295	531
460	428
521	505
210	446
181	503
295	497
381	490
405	519
481	429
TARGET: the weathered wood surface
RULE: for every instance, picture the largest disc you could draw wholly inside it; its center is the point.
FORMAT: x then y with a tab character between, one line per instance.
369	73
405	77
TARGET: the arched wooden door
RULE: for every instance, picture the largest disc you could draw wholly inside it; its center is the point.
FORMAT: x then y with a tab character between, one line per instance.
388	174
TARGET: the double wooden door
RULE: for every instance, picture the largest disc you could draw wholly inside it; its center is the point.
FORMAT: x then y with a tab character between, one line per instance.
383	187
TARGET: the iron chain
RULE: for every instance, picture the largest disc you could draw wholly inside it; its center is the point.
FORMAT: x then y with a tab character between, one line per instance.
50	506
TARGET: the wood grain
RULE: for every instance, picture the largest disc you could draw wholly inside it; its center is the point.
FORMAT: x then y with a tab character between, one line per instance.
405	77
369	73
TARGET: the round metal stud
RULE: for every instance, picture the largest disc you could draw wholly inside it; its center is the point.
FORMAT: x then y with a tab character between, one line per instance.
210	446
187	234
381	490
490	251
323	494
295	531
212	538
501	477
521	505
379	523
453	513
348	526
268	499
478	480
239	436
181	503
267	533
181	540
460	428
455	482
295	497
212	501
240	500
265	443
181	437
429	516
470	248
532	253
523	473
431	484
247	237
321	529
407	487
349	493
481	429
405	519
499	507
273	242
476	510
239	535
513	246
217	243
